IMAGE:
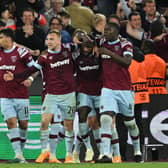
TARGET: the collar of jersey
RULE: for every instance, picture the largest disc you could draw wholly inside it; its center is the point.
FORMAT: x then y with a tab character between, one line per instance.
10	50
54	52
113	42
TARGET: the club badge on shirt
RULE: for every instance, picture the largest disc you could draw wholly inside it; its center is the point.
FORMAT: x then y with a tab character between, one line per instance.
13	58
65	54
116	48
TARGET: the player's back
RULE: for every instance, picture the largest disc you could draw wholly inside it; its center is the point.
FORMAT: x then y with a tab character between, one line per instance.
156	71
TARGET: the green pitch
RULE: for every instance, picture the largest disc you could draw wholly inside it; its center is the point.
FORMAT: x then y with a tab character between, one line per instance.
88	165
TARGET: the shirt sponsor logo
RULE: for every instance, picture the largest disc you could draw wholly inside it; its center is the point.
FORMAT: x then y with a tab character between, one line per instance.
105	56
7	67
59	63
117	48
86	68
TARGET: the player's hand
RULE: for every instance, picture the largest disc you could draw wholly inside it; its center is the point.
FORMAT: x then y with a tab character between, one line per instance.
35	52
8	76
96	51
27	83
76	40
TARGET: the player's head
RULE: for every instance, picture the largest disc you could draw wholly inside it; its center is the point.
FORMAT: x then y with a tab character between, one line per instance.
7	38
53	39
87	47
87	44
111	31
28	16
55	23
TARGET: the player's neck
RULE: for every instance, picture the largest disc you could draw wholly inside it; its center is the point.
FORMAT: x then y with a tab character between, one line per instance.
57	48
9	46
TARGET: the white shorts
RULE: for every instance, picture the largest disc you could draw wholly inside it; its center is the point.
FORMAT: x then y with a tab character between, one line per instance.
12	107
88	100
61	106
118	101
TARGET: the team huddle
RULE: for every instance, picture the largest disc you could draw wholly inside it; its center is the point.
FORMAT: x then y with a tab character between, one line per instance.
89	76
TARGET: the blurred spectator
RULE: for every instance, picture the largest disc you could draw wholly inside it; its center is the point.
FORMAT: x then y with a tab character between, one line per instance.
89	3
81	16
165	14
113	18
120	12
36	5
97	33
106	7
10	5
160	38
30	35
66	22
155	69
56	7
134	31
138	5
150	14
162	3
125	7
56	24
47	6
2	25
7	18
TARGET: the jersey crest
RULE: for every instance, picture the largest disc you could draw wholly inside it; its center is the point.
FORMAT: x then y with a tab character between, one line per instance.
65	54
14	58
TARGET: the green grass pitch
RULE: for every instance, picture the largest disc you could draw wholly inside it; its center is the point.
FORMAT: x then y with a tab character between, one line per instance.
88	165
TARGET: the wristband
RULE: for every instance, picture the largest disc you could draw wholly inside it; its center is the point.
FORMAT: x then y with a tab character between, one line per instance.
31	78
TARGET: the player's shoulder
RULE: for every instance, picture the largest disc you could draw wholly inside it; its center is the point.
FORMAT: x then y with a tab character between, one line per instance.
124	42
22	51
66	46
44	54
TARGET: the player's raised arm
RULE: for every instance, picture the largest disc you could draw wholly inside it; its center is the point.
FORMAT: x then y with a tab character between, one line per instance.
124	61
